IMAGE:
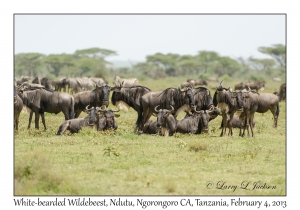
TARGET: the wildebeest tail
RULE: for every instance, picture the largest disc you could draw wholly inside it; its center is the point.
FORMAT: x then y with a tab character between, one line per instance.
71	109
59	129
277	111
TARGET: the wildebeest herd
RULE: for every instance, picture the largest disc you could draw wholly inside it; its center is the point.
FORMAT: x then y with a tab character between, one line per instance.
91	95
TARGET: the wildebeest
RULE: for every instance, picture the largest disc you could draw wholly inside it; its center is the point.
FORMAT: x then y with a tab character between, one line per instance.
42	100
85	84
197	82
269	101
73	85
282	92
107	120
75	125
121	82
197	122
228	102
240	86
258	102
96	98
180	99
23	79
132	97
256	85
47	83
203	99
99	97
166	123
61	85
18	106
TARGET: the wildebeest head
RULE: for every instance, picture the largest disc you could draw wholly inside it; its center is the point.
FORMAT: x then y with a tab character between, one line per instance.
162	116
203	121
116	95
108	119
186	91
103	91
93	114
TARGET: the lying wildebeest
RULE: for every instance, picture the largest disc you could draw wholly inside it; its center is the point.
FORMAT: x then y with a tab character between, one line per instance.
132	97
107	120
197	122
121	82
180	99
42	100
75	125
282	92
18	106
228	102
96	98
197	82
166	123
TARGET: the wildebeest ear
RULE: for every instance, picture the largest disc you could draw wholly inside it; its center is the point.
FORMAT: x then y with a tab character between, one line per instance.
116	115
166	115
154	114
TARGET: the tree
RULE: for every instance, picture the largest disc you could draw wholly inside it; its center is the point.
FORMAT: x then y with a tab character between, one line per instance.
95	53
262	64
57	62
228	66
278	52
28	63
206	58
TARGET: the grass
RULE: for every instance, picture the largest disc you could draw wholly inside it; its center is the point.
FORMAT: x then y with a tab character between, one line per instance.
122	163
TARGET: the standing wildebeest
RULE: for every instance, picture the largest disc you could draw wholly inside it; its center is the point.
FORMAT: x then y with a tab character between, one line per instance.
99	96
73	85
132	97
228	102
18	106
107	120
282	92
44	82
121	82
258	102
43	100
240	86
75	125
256	85
61	85
96	98
180	99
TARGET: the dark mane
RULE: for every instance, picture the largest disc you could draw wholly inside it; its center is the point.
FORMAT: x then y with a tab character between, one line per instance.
203	99
166	97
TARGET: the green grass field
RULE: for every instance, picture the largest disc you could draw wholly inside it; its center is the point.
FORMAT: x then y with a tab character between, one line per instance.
122	163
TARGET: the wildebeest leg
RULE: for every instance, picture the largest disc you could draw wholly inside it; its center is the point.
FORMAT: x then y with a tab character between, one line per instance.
138	125
251	123
29	120
77	114
37	117
43	120
224	117
247	122
230	125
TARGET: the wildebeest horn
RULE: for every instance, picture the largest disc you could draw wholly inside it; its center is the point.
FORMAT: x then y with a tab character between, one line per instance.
155	108
102	110
116	110
221	83
172	108
88	108
201	111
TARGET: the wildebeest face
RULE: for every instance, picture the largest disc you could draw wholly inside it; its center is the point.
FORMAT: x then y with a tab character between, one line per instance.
162	115
239	98
105	90
92	115
110	118
190	96
204	119
116	97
